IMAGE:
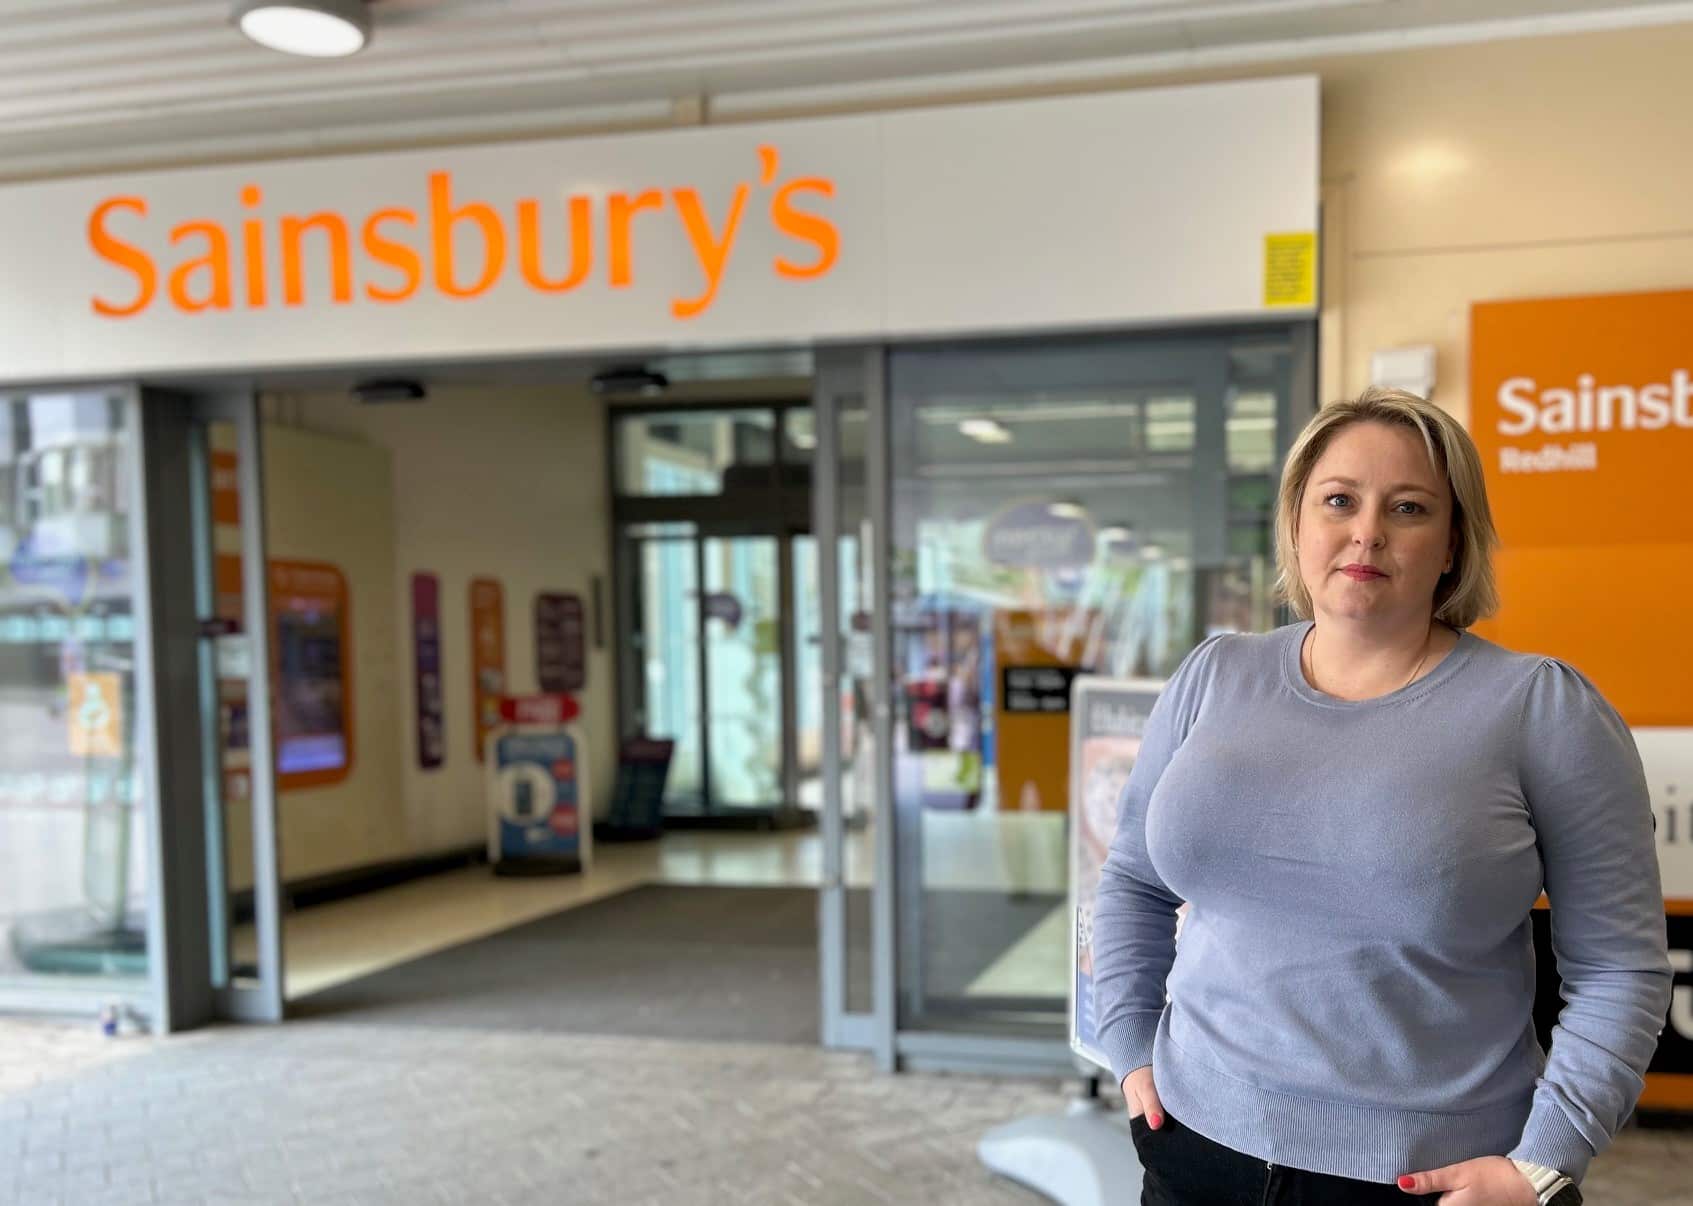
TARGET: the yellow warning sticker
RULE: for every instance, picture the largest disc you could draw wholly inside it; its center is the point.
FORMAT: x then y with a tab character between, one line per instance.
1290	269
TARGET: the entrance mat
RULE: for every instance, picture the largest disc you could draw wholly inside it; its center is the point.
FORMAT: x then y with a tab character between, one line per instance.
728	964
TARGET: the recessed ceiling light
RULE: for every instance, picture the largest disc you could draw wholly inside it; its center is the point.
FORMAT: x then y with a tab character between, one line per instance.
985	431
319	29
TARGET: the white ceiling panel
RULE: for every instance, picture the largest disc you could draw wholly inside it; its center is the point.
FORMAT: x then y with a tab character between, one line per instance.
93	85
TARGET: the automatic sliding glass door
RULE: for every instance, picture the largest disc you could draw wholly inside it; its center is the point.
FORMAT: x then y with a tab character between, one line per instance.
709	647
745	672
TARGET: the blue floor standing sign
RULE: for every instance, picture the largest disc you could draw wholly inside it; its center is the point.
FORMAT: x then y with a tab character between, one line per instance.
536	788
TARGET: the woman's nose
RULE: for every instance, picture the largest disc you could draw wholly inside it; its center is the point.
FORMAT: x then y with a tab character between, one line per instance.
1368	532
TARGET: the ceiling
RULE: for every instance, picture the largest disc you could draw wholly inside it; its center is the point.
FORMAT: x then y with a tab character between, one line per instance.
99	85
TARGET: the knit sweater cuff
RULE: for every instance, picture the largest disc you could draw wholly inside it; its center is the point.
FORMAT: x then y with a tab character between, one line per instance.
1128	1044
1551	1139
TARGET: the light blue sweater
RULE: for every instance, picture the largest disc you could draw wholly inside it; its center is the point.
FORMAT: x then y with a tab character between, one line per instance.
1353	987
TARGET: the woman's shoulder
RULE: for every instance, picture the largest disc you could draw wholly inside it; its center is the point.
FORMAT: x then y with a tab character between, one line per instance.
1547	686
1228	654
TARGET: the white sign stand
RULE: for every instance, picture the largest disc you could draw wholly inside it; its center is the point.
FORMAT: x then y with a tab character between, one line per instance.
1084	1157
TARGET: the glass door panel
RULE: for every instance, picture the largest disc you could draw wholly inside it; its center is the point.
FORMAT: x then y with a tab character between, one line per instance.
73	869
1057	510
743	666
667	643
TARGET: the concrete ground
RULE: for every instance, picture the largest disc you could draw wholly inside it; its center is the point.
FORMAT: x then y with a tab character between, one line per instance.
336	1115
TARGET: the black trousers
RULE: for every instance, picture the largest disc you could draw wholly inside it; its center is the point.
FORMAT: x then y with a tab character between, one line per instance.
1184	1168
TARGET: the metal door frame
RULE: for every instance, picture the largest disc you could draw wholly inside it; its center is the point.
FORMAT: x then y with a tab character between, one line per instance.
856	374
193	985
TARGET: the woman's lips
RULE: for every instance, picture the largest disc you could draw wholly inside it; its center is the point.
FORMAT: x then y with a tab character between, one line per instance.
1362	573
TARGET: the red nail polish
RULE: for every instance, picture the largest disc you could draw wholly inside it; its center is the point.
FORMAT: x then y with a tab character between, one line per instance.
1407	1182
1157	1121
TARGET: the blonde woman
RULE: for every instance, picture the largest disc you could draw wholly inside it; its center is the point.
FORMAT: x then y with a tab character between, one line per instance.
1361	809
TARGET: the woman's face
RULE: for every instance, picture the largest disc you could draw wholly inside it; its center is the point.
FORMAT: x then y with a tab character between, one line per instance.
1374	528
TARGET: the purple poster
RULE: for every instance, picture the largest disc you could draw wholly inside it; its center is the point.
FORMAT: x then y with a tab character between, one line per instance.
426	644
560	661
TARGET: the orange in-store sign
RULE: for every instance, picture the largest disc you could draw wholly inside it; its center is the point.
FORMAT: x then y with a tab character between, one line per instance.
1582	409
487	657
94	713
391	254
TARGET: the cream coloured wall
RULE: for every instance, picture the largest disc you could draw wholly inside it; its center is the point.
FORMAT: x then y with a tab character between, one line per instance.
506	482
1512	169
328	498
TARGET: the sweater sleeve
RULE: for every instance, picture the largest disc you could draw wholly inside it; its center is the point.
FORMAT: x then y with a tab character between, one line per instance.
1587	797
1134	913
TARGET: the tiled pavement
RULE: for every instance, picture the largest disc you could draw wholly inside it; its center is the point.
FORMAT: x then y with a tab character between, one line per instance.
337	1115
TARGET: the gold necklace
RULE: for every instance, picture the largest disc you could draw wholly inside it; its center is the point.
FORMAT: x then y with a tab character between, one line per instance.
1308	658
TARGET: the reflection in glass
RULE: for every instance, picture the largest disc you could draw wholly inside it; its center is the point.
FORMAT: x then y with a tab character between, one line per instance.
1040	532
71	869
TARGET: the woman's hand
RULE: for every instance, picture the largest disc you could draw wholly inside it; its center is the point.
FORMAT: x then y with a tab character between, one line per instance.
1487	1181
1142	1098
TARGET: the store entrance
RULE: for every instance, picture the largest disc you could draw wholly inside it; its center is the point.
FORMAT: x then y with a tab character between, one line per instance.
719	615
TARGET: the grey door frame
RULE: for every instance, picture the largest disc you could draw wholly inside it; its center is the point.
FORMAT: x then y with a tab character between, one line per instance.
854	375
188	897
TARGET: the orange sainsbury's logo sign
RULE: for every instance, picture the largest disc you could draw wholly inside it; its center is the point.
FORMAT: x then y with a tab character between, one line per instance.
390	254
1582	409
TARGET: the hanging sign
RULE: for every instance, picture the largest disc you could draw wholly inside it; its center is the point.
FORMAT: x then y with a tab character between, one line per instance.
426	670
487	657
561	662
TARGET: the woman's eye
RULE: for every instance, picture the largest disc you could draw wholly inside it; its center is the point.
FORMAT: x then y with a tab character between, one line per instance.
1333	499
1408	508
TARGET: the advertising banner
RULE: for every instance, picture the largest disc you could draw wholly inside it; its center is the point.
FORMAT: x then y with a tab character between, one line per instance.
426	670
561	661
1107	719
487	657
311	669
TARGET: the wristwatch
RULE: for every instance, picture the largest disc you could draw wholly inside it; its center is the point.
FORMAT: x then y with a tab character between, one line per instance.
1551	1187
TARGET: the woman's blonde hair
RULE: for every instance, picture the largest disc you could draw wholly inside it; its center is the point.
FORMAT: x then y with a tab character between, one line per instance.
1467	592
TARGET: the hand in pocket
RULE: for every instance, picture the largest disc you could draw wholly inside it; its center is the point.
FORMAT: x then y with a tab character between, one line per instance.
1141	1097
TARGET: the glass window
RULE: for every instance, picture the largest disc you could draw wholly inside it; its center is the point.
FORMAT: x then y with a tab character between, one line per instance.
72	882
799	436
692	453
1250	433
1039	532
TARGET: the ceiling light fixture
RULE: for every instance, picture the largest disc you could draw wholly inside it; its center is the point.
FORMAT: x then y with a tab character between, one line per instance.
985	431
318	29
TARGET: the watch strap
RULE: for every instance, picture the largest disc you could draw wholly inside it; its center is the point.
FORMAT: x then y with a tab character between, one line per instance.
1551	1187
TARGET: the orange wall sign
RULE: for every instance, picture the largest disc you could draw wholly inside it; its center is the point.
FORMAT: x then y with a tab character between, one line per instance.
1582	408
487	657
